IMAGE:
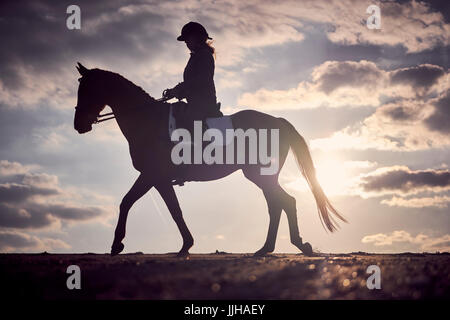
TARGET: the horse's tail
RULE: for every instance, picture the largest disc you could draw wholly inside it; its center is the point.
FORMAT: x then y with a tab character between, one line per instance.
304	161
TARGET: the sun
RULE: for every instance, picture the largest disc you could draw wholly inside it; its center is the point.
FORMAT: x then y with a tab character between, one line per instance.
333	176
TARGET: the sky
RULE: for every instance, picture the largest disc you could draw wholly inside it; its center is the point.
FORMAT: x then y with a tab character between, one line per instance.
372	104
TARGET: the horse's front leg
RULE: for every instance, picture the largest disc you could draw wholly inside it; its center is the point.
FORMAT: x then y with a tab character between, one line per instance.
140	187
170	198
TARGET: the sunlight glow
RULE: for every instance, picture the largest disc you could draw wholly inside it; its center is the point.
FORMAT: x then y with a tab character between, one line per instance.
333	176
336	176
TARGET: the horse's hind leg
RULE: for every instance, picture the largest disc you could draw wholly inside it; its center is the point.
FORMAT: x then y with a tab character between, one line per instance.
289	206
140	187
278	200
268	186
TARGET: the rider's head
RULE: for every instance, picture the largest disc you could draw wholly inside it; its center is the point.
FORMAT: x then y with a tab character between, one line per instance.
194	34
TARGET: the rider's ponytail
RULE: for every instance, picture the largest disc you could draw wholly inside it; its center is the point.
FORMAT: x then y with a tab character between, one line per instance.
211	48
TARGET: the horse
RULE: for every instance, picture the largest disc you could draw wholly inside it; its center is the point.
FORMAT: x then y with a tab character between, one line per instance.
143	121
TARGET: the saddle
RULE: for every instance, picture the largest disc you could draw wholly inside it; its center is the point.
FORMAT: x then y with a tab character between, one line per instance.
177	116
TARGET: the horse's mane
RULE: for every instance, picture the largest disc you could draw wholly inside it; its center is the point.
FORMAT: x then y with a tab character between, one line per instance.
124	81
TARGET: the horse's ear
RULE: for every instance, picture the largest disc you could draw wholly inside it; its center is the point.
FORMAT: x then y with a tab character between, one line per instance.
82	69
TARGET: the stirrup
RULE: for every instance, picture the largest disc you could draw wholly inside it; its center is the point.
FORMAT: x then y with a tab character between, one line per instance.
178	182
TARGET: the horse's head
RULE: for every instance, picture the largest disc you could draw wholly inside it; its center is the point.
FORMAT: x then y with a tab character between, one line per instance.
91	98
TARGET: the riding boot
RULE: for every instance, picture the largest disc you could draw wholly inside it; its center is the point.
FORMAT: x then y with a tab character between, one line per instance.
180	172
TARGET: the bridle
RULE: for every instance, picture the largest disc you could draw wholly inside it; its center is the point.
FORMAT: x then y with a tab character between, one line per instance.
100	116
104	115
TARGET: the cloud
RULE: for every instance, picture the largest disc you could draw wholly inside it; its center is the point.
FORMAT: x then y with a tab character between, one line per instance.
35	200
37	215
407	188
332	75
413	25
420	242
419	77
334	84
382	239
11	168
441	244
439	120
436	201
407	124
400	112
404	181
15	241
14	192
37	68
350	84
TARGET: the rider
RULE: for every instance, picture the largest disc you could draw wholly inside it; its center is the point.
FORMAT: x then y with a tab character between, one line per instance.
198	85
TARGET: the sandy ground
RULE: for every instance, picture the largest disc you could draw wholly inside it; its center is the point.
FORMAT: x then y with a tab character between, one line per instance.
225	276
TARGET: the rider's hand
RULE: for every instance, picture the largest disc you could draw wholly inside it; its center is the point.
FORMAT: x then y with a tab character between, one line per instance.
168	93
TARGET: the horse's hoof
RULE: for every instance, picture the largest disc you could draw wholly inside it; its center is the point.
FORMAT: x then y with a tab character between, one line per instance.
307	249
183	254
262	252
117	248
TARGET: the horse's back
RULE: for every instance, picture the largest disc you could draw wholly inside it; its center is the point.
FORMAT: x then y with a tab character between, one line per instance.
246	119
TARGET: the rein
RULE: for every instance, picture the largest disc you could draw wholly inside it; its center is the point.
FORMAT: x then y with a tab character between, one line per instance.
112	113
104	115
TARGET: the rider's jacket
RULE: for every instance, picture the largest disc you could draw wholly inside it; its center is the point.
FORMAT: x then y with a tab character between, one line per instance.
198	85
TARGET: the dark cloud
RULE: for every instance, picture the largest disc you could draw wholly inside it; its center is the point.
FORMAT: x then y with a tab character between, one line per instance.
33	215
13	192
23	216
16	240
19	207
399	113
406	181
69	212
39	43
335	74
420	77
332	75
440	119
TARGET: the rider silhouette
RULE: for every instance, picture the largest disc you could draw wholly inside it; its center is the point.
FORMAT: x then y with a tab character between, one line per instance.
198	85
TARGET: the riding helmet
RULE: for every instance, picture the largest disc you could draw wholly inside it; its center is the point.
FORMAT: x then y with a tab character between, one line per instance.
193	28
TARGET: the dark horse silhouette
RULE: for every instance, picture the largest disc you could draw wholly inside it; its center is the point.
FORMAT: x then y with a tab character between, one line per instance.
143	120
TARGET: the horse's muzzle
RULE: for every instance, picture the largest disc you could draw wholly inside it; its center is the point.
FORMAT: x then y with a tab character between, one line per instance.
84	129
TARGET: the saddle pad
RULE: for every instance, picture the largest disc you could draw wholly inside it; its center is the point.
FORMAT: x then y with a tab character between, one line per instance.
221	123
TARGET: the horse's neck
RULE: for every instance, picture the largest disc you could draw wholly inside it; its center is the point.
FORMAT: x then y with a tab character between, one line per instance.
138	115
